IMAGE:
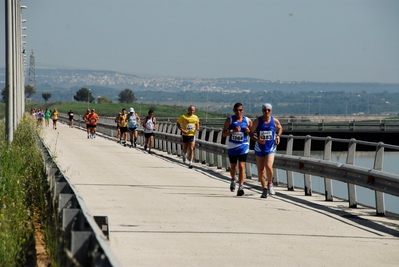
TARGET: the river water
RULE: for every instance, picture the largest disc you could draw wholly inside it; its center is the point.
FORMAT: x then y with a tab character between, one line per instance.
365	196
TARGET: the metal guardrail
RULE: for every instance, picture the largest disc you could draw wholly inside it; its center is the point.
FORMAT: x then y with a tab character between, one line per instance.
382	125
83	241
297	125
212	150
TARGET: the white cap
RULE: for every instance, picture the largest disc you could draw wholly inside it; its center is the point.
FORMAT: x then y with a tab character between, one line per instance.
131	110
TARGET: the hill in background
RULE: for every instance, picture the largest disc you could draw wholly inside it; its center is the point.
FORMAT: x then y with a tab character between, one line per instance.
289	97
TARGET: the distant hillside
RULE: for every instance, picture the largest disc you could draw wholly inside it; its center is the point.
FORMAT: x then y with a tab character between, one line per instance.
65	78
289	97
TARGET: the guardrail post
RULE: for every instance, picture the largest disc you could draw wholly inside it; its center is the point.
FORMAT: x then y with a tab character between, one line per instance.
203	152
352	125
226	158
80	242
307	177
290	177
248	170
321	125
168	143
211	155
275	177
196	151
174	146
328	182
379	196
164	143
383	126
179	146
156	140
69	217
350	159
66	201
219	158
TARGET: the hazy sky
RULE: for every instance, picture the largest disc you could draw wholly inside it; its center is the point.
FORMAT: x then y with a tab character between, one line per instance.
288	40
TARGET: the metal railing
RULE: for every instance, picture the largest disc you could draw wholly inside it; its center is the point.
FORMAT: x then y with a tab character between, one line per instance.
298	125
212	150
382	125
83	237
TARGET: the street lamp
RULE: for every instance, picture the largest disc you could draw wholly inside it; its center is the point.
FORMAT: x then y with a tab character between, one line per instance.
320	102
88	96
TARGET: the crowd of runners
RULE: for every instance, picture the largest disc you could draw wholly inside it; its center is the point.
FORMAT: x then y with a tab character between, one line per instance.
238	129
45	116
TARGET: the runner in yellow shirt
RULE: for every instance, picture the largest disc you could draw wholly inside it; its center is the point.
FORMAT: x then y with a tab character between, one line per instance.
188	124
123	127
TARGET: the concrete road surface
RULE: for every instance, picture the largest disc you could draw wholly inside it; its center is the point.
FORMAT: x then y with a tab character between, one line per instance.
163	214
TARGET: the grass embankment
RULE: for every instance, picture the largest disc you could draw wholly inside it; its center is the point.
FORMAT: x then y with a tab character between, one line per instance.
23	188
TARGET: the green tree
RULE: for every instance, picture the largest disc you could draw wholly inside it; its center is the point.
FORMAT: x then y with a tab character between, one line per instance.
126	96
29	91
84	95
46	96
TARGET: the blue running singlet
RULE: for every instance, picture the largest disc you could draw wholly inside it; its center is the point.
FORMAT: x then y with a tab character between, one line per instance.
266	131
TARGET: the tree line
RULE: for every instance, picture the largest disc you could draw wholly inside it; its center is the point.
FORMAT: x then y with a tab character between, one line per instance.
82	95
304	102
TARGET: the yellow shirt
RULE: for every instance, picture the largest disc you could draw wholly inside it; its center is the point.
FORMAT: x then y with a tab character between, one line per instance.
189	123
123	121
55	115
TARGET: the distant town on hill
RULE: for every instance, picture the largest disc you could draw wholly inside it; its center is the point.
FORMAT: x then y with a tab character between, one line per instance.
287	97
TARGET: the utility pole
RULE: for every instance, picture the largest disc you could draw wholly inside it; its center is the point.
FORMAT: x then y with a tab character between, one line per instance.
14	66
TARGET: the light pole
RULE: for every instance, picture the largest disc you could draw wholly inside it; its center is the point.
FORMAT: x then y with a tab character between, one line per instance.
207	104
320	103
88	97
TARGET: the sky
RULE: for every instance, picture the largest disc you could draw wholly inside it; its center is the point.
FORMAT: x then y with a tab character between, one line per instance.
286	40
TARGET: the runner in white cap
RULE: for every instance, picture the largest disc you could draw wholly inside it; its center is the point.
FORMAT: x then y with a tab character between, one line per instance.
133	121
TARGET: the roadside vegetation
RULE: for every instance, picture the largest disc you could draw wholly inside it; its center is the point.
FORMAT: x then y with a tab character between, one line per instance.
23	188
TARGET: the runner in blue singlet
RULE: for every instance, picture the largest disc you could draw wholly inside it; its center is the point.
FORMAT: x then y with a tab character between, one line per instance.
236	128
268	131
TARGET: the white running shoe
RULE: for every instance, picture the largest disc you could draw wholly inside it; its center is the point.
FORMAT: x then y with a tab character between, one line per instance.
270	189
184	158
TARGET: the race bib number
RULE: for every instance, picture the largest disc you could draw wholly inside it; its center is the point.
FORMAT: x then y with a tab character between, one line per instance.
266	135
190	127
238	136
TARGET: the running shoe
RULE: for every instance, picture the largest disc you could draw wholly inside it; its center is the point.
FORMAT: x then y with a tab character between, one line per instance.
135	144
233	184
240	192
190	166
270	189
184	158
94	135
264	194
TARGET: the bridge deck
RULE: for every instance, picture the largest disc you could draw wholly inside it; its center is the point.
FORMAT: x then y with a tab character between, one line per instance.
163	214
